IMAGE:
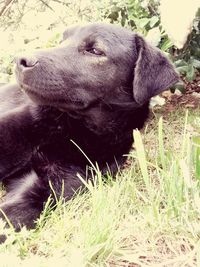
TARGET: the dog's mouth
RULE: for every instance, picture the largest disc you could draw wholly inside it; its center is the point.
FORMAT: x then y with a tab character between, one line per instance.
59	103
43	94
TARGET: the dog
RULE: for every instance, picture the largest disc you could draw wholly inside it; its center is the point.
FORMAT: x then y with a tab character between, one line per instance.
82	98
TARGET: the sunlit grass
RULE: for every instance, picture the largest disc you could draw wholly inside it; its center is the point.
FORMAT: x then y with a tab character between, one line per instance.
147	216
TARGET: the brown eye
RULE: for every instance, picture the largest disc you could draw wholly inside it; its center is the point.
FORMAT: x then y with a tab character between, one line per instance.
94	51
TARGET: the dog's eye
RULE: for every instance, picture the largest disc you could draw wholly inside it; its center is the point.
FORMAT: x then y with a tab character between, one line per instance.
94	51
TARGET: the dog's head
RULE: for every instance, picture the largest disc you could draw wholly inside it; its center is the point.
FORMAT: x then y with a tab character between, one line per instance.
94	65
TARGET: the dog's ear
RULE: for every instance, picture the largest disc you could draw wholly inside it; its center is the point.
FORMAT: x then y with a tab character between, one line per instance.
153	72
69	31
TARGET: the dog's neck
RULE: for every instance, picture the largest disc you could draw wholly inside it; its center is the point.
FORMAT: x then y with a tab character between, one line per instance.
62	137
100	122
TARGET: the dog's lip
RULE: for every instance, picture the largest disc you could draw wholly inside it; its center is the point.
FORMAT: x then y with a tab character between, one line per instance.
25	69
20	71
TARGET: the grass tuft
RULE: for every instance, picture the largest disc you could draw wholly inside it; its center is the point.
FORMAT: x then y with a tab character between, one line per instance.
146	216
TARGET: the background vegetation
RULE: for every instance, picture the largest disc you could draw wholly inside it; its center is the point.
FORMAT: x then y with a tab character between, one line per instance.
30	24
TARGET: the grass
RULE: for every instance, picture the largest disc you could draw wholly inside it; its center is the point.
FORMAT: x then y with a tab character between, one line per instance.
147	216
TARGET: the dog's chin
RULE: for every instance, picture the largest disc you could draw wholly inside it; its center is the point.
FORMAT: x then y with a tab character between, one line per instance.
63	105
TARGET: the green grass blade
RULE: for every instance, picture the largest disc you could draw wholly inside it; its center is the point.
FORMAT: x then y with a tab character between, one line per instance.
196	155
141	157
161	145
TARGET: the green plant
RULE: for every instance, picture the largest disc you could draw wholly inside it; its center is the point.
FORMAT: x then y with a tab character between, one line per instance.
187	60
143	16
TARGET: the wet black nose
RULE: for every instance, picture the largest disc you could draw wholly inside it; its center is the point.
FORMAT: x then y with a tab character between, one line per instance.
26	62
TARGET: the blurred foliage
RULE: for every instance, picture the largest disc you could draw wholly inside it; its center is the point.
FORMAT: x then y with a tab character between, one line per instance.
143	16
34	19
187	60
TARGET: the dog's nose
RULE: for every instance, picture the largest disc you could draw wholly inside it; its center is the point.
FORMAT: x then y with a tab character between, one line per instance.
26	62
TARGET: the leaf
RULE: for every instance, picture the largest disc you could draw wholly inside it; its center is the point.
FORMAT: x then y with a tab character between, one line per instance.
190	75
182	69
196	63
153	21
154	36
166	45
141	23
180	63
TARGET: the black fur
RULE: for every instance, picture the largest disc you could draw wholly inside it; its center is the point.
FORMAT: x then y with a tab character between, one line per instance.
93	89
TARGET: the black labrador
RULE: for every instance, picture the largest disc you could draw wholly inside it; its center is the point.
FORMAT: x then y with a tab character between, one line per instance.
87	94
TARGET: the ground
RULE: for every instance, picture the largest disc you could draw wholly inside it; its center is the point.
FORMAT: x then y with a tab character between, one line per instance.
190	99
